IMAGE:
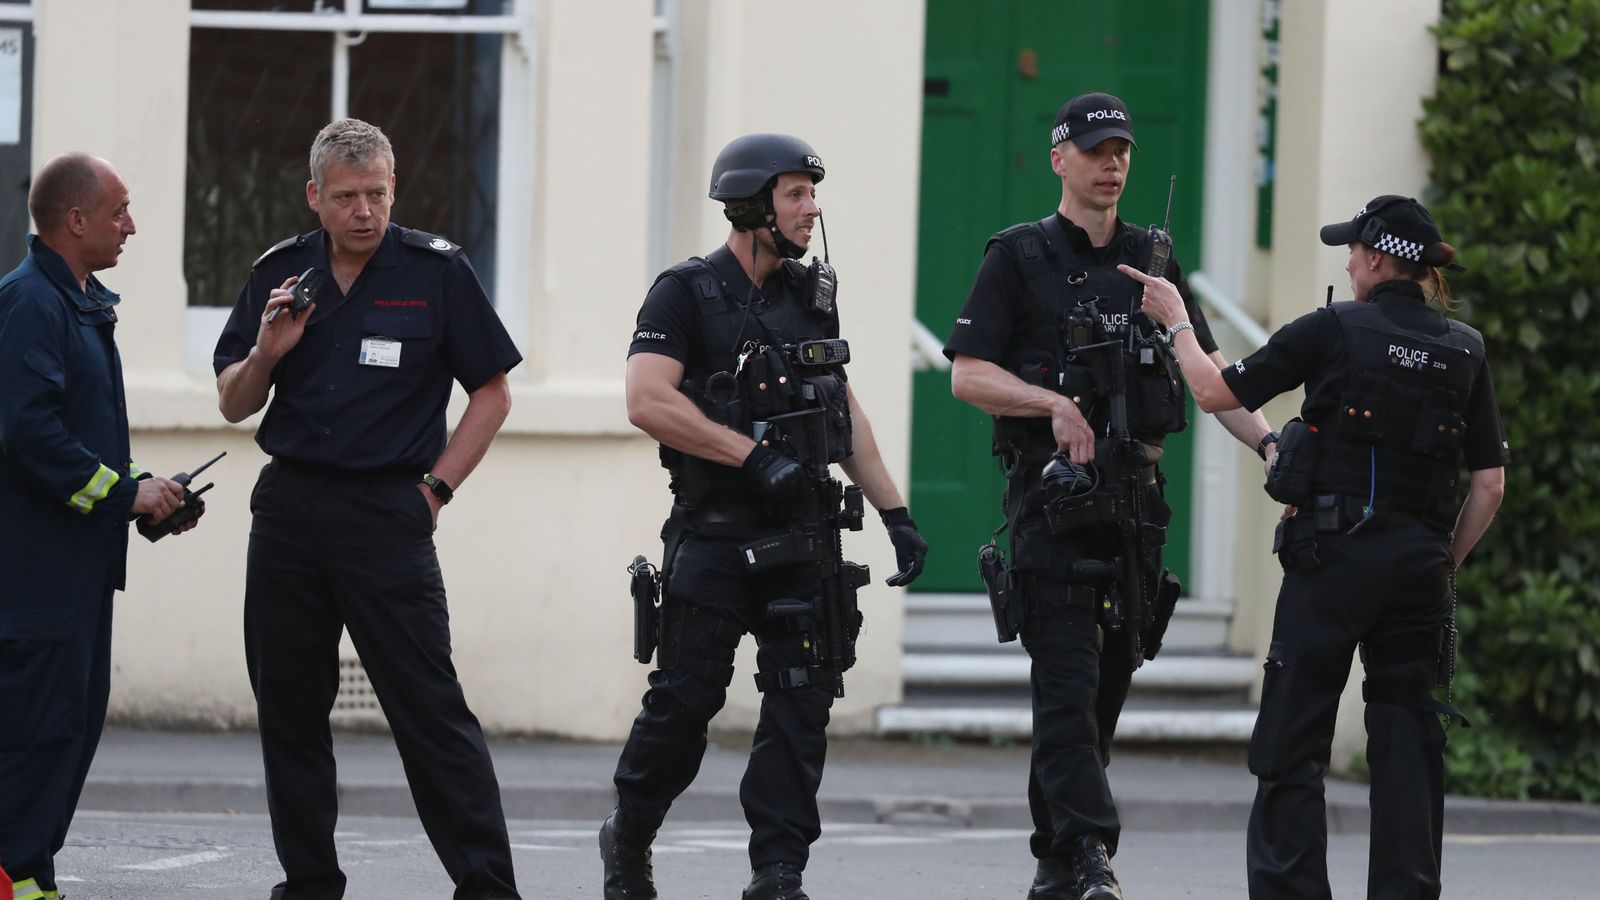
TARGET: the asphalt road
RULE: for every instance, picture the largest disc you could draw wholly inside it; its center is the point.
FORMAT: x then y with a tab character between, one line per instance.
209	857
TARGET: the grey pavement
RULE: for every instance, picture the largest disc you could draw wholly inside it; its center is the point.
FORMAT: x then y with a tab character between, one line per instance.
867	781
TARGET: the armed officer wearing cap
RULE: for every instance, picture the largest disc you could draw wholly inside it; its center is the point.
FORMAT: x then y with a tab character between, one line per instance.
1083	393
737	369
1397	397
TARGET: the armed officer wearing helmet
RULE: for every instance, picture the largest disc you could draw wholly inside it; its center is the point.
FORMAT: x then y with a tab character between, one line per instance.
737	369
1083	393
1397	397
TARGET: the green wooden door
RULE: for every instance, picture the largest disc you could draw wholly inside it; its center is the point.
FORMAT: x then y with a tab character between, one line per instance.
994	75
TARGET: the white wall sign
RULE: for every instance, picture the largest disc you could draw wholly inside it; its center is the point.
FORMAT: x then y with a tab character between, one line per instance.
416	4
10	85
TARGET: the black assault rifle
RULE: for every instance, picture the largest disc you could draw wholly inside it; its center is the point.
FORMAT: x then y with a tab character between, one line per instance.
1119	457
819	514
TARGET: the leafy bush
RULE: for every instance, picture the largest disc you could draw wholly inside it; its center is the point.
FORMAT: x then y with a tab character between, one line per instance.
1514	135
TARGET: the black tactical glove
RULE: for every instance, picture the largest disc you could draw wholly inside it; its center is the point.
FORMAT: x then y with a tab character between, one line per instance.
773	473
909	547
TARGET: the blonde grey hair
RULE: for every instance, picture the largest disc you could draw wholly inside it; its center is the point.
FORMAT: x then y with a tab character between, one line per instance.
352	142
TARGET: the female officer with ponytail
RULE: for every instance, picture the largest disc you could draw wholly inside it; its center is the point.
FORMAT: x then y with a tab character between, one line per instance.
1397	397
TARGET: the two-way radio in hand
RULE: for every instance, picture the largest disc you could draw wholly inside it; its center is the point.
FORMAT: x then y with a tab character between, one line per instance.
193	507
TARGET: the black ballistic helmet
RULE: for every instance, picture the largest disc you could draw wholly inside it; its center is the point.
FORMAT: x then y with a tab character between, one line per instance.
748	164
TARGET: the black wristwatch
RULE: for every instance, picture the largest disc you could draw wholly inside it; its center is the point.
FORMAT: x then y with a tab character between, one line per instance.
1270	437
441	489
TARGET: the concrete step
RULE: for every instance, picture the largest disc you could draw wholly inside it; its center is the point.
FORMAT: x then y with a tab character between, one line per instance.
1170	673
961	682
1211	727
963	622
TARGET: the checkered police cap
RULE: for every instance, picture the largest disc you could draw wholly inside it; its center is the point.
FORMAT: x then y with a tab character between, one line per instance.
1399	226
1088	119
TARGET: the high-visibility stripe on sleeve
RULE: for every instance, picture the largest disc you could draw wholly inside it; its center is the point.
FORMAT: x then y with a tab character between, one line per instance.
134	471
27	889
95	491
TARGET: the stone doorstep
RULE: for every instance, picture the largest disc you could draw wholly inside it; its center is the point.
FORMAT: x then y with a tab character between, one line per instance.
1173	672
963	623
1136	726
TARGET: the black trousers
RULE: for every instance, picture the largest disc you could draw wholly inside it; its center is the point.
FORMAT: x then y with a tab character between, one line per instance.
668	739
55	695
1382	587
330	553
1080	675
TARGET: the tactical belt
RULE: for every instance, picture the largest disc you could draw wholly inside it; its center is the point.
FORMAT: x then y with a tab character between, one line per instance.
725	514
1049	590
334	473
1342	512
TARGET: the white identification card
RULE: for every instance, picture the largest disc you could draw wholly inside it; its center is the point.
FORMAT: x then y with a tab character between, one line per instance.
380	351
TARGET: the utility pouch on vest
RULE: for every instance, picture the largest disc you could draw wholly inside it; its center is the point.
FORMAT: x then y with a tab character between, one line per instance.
1362	409
1294	466
769	385
645	586
1160	406
1440	429
834	400
1005	601
1168	589
1294	542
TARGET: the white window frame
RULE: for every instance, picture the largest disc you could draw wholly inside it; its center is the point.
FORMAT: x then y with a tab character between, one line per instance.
16	12
664	78
514	179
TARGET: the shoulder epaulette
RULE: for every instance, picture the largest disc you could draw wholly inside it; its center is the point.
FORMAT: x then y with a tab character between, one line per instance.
1026	238
294	241
696	276
425	241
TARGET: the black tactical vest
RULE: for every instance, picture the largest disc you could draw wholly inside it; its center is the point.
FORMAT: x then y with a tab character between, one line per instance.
769	383
1396	433
1058	279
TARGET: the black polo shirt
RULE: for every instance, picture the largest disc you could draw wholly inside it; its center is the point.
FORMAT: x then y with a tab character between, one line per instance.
329	409
1311	351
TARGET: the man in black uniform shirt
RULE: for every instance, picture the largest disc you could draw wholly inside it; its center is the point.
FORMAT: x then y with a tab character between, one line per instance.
705	327
344	514
1397	396
1013	352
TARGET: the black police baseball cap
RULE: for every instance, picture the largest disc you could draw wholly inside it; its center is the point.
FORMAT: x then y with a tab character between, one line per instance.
1088	119
1399	226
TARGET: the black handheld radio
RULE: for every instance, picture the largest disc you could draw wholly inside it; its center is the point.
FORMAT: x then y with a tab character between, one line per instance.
1161	239
302	294
193	507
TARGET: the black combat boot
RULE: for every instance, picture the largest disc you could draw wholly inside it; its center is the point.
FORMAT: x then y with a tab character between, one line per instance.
1095	879
775	881
1054	879
625	853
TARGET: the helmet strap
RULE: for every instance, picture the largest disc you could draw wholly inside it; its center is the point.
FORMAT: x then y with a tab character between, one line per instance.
786	248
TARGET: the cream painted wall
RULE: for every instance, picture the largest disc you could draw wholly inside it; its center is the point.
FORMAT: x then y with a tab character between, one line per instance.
102	87
1353	78
535	545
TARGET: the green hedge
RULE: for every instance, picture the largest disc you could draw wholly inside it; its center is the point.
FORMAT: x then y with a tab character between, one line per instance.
1514	136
